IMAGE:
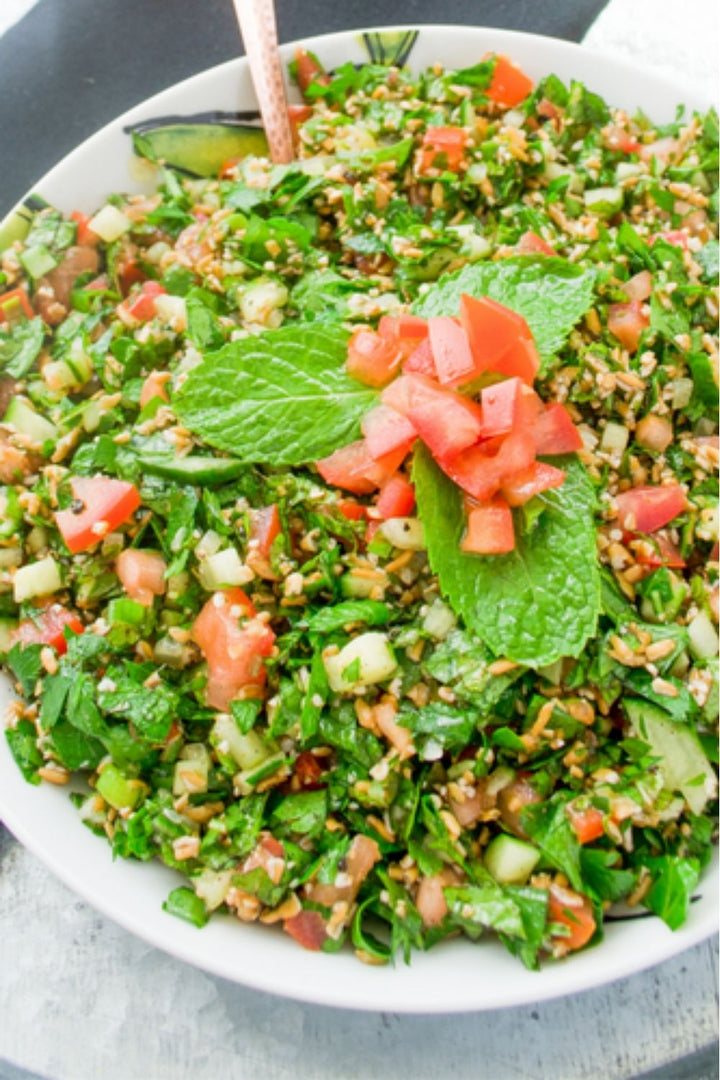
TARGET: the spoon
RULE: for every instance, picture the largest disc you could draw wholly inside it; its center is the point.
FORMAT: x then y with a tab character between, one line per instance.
256	19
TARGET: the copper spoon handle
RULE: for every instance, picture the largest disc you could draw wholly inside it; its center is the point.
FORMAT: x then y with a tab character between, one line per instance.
256	19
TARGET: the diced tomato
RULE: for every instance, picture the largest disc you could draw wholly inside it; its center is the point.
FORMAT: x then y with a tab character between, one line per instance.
48	628
573	911
235	644
396	499
372	359
13	302
627	322
352	511
450	346
308	928
85	236
104	504
618	138
655	550
141	306
264	528
500	339
442	148
482	474
360	859
489	528
308	771
514	799
646	509
386	430
554	431
297	115
403	327
421	361
501	407
98	284
538	477
521	359
532	244
142	574
639	286
446	421
509	84
129	273
352	468
154	387
587	824
662	149
677	237
308	70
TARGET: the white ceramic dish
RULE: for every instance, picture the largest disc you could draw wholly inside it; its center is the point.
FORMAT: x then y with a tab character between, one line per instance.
456	976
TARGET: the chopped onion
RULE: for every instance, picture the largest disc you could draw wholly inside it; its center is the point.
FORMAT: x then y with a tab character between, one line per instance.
366	659
223	568
405	533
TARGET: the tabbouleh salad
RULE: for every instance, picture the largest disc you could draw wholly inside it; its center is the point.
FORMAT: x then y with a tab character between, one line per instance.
359	538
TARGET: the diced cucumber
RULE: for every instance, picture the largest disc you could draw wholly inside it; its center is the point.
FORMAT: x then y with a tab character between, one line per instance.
439	621
261	301
40	578
605	201
703	637
7	628
192	770
683	763
366	659
22	417
170	652
511	861
118	790
405	533
222	569
355	587
248	750
208	544
172	310
247	780
110	223
37	261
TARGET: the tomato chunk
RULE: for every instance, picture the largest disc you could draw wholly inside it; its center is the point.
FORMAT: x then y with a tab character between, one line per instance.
446	421
656	549
587	824
264	528
48	628
411	328
501	407
308	928
538	477
451	351
639	286
386	430
509	84
372	359
443	148
351	510
103	505
142	574
141	306
85	236
574	912
500	339
489	528
481	474
532	244
645	508
627	323
154	387
352	467
421	361
554	431
297	115
308	70
396	499
235	643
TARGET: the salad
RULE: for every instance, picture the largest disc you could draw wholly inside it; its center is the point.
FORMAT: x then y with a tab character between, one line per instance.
359	532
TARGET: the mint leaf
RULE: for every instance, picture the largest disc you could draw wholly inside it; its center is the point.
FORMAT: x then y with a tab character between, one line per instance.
674	881
539	602
281	398
550	294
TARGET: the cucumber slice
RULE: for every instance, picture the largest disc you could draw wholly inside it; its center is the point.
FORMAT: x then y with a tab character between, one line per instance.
199	149
41	578
222	569
118	790
26	421
248	750
511	861
683	763
192	770
38	261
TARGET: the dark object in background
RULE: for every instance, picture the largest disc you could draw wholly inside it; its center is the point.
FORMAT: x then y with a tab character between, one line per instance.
70	66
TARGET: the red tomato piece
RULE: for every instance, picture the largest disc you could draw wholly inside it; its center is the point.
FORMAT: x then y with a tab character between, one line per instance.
521	359
129	273
85	236
141	305
308	928
386	430
677	237
372	360
655	550
352	511
264	528
154	387
443	148
554	431
104	504
532	244
574	911
12	302
308	70
351	467
524	485
489	528
662	149
646	509
501	407
409	327
421	361
509	84
494	332
142	574
587	824
627	323
297	115
482	474
617	138
639	286
396	499
446	421
235	643
48	628
451	351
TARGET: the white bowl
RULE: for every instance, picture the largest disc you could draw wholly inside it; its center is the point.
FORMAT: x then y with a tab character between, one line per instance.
458	975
